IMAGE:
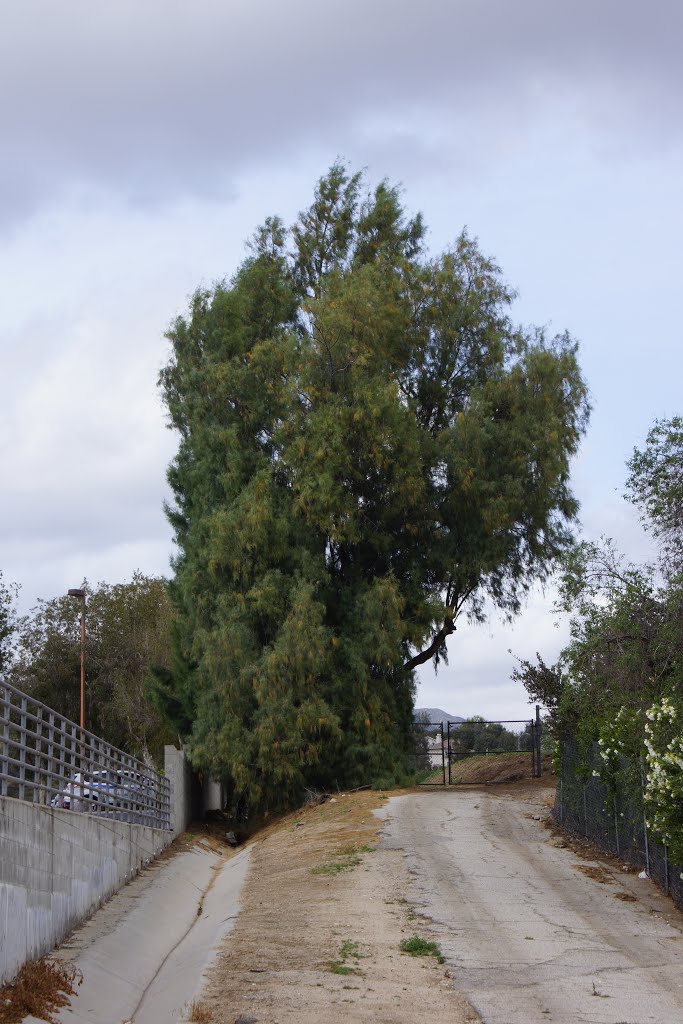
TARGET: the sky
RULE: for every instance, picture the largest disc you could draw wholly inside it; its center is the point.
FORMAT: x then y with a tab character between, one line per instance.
143	143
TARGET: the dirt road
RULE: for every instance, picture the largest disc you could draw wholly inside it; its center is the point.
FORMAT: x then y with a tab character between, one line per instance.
532	932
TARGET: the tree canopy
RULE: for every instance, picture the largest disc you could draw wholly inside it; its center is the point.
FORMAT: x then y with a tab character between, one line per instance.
127	636
369	447
655	487
619	680
8	622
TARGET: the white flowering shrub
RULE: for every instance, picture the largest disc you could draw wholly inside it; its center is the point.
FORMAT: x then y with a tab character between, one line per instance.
664	778
619	744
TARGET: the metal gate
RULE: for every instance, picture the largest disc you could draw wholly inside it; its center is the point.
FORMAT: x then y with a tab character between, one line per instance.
431	753
447	754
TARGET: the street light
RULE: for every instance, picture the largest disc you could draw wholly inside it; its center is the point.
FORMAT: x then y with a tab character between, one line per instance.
80	594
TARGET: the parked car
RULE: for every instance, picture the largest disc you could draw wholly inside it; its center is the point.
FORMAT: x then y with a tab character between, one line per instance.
132	787
106	789
87	789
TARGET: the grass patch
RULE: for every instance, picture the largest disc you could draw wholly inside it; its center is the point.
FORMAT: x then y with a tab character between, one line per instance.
40	989
415	946
347	951
344	860
339	967
350	949
336	867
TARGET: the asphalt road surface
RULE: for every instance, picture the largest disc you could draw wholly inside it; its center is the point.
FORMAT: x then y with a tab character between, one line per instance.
528	935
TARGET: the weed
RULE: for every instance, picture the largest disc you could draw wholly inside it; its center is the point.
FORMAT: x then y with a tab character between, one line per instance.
336	867
415	946
347	950
200	1013
350	949
40	989
339	967
353	851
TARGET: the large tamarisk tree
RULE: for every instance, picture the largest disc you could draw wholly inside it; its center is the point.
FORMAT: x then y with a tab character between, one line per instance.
369	447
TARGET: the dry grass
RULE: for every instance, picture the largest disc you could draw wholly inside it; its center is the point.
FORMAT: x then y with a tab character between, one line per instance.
487	768
483	769
200	1013
40	989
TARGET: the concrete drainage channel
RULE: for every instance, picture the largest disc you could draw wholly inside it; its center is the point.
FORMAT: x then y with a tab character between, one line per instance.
143	956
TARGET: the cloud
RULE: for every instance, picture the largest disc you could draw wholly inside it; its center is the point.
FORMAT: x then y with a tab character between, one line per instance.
477	680
161	100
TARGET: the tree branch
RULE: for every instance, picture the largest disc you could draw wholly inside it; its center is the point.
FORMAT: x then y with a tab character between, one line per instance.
429	652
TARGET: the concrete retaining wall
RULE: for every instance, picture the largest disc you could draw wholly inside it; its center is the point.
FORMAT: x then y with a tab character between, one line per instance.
56	868
178	772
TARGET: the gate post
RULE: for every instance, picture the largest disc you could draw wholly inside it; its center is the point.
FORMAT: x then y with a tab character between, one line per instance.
443	756
448	748
537	737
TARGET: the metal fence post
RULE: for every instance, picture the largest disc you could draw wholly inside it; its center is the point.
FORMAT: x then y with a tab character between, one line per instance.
666	869
443	756
647	841
4	749
585	812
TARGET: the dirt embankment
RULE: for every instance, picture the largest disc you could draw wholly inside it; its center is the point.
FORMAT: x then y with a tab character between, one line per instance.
324	912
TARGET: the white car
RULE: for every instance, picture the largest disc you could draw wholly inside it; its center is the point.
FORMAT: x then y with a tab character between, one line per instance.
105	789
87	789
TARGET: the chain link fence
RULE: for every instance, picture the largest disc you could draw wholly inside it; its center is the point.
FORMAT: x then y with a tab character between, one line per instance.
612	818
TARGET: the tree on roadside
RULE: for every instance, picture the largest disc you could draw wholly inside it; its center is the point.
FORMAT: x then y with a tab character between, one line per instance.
8	622
368	449
617	687
127	635
655	487
477	736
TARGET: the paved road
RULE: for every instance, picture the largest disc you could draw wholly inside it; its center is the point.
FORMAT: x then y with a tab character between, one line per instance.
528	936
144	953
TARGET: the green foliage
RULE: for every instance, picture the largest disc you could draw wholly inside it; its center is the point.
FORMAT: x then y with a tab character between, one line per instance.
368	448
476	736
545	685
655	486
8	623
127	633
416	946
339	967
619	681
664	784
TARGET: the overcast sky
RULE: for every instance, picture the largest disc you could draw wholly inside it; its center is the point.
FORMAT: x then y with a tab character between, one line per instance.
143	143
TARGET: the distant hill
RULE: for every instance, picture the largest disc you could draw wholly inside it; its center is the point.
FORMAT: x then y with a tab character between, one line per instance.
436	715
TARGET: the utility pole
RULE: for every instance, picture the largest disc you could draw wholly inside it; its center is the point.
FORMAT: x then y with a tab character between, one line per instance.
80	594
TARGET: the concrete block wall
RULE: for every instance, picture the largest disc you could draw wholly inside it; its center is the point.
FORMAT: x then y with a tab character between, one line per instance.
56	868
178	772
